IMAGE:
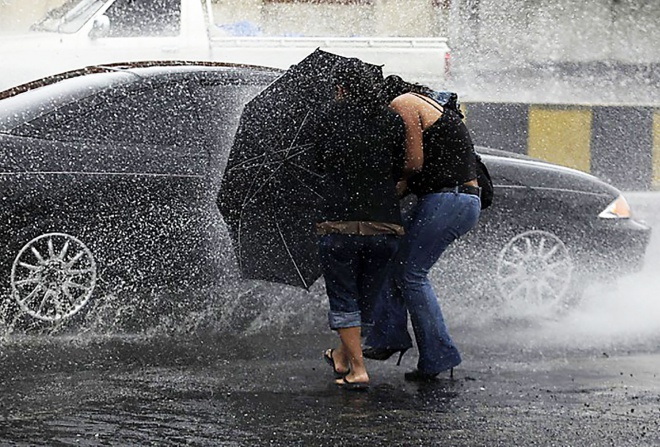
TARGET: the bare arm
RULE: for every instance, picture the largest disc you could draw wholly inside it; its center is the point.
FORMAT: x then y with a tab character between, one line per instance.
405	106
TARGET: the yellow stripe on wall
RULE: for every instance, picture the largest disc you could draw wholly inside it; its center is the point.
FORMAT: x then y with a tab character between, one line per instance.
561	135
656	151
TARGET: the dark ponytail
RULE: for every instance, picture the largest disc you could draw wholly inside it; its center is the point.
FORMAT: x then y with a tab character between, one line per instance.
394	86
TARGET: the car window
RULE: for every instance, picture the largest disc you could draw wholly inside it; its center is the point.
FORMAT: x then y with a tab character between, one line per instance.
166	115
131	18
196	113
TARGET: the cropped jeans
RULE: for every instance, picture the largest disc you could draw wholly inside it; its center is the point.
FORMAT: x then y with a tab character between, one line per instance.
434	223
355	269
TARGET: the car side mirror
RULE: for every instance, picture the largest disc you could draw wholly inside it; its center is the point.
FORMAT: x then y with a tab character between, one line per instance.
100	27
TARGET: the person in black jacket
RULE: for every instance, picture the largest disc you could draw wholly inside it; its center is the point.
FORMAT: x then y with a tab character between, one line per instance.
360	152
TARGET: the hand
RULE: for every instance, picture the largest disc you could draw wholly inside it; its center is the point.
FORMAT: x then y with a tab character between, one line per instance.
401	189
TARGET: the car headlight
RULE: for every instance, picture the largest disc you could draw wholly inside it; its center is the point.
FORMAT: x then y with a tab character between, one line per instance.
618	209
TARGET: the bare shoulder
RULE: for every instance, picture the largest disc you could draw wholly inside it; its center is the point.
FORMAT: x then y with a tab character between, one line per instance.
404	103
406	99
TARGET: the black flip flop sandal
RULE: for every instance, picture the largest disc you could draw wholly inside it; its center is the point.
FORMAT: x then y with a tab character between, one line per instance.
352	386
327	356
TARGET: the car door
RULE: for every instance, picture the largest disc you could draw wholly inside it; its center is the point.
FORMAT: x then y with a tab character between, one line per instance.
128	175
122	175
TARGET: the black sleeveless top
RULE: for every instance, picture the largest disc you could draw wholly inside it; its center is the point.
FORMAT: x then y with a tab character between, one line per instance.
449	157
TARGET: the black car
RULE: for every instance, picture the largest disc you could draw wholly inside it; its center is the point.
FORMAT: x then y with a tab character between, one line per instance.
109	177
550	232
109	182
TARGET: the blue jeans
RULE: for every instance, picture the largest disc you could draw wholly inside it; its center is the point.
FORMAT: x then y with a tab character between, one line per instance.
354	269
434	223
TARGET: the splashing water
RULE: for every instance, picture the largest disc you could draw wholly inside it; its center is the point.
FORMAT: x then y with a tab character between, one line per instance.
623	312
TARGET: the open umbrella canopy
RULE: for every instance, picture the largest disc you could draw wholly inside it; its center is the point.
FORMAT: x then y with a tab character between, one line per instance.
270	195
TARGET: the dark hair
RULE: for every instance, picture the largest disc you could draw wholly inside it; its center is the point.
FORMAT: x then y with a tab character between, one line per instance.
362	81
394	86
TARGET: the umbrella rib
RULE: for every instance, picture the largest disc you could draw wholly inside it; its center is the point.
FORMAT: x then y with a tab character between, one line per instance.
309	171
309	111
249	197
303	148
256	191
261	156
272	174
309	188
240	247
242	165
287	150
239	165
286	246
245	202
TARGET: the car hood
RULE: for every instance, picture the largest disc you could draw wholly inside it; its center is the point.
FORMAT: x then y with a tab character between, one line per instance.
510	169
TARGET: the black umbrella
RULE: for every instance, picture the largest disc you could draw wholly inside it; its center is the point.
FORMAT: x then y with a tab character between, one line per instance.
269	193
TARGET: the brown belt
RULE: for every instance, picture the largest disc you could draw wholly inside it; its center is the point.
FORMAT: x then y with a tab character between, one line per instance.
356	227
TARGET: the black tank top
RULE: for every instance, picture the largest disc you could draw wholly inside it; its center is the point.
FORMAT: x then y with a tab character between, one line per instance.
449	157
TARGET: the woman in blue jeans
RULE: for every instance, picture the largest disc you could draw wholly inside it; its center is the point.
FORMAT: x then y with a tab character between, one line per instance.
440	169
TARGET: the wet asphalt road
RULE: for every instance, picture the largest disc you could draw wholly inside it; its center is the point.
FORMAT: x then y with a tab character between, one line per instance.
590	378
277	391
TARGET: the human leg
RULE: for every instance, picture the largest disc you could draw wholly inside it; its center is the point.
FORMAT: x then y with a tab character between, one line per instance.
376	254
389	332
352	344
439	220
335	357
339	255
390	329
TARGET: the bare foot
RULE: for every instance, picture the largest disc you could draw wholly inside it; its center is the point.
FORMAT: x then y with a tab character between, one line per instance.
356	382
356	378
338	360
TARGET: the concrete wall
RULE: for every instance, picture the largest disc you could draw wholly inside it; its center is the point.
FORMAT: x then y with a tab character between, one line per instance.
601	52
522	32
620	144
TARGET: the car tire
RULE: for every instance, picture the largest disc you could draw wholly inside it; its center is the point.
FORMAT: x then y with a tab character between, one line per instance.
52	277
535	273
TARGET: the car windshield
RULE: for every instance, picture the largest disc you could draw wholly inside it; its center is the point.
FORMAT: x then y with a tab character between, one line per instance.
69	17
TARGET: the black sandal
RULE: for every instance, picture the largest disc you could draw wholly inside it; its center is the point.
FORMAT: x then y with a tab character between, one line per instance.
327	356
352	386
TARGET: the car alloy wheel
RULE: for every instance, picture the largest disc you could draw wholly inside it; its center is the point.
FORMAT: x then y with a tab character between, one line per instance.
534	269
53	276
